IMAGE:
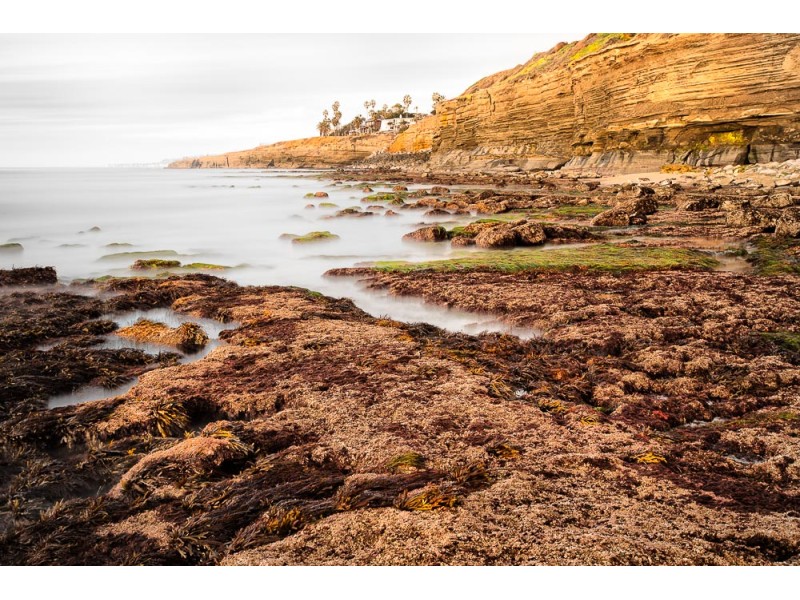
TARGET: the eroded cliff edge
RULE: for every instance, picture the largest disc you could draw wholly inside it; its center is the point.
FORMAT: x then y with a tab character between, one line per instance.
312	153
631	102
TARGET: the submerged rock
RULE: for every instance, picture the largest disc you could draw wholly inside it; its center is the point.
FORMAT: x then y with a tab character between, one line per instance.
154	263
11	247
353	211
436	212
314	236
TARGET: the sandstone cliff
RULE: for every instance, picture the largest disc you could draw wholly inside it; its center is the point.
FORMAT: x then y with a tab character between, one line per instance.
417	138
631	102
610	103
316	152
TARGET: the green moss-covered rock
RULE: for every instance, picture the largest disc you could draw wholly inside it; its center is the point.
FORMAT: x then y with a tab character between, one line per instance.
154	263
315	236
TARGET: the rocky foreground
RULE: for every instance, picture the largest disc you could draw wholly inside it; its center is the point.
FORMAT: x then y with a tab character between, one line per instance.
654	421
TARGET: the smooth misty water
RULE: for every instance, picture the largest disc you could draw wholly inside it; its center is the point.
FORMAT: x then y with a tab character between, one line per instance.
113	341
228	217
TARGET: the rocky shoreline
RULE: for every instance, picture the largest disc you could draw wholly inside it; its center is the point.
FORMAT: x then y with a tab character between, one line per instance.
655	420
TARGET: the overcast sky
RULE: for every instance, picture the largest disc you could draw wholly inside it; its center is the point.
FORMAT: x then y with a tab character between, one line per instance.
94	100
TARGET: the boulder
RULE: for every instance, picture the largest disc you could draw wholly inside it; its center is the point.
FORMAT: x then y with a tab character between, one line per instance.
640	205
436	212
529	233
567	232
501	236
484	195
399	188
490	208
788	224
427	234
745	215
614	217
437	190
320	194
463	240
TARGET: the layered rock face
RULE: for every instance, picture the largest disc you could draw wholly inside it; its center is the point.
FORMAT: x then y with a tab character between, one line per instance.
417	138
631	102
316	152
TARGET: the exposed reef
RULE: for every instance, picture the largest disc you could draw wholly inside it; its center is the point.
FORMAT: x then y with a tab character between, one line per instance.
654	422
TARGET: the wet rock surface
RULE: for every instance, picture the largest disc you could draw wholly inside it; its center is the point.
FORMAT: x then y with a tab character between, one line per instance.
28	276
187	336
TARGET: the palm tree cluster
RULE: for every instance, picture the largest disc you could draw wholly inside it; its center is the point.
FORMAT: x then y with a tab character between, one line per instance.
331	123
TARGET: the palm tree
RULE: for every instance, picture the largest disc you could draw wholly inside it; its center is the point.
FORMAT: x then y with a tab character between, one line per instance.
406	102
357	122
324	126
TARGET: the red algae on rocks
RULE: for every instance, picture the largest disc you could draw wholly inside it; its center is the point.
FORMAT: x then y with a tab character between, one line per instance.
633	432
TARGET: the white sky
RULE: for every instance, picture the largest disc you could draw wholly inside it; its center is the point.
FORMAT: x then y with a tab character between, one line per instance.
94	100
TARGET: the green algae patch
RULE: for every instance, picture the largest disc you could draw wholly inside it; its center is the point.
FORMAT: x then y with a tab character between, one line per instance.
787	340
200	266
384	197
776	256
601	41
459	231
137	255
587	211
598	257
119	245
154	263
328	205
315	236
